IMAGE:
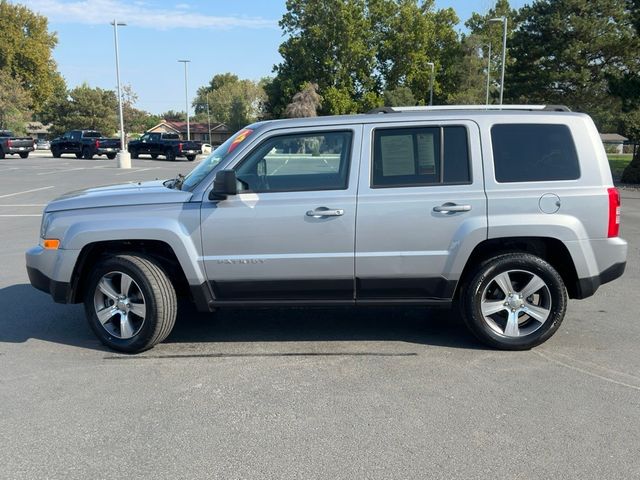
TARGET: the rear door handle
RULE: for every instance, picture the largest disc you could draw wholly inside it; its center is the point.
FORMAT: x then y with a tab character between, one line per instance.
325	212
452	207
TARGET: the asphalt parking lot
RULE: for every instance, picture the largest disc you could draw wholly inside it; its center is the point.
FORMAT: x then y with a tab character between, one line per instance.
304	393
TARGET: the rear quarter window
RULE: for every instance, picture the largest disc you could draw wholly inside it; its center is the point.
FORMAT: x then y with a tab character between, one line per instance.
534	153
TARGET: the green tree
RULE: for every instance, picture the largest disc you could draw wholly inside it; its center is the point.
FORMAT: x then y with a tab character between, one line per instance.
14	104
25	51
135	120
89	108
471	73
569	52
305	103
173	116
231	101
399	97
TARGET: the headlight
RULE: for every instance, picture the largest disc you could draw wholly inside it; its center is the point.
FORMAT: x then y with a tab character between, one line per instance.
46	222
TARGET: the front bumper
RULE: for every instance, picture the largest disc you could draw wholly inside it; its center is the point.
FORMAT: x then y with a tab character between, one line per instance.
51	271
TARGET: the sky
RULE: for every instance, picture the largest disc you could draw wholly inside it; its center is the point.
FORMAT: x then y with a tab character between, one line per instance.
216	35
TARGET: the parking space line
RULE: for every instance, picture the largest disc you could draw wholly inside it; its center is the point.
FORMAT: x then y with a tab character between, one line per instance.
136	171
24	205
62	171
26	191
22	215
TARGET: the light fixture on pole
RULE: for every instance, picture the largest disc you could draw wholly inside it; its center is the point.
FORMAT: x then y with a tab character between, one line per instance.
433	71
123	157
504	51
488	72
186	96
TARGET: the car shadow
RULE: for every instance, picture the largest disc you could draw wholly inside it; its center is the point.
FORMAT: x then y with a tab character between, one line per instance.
31	314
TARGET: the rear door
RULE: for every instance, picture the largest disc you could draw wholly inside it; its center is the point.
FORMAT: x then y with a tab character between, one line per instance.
289	235
421	209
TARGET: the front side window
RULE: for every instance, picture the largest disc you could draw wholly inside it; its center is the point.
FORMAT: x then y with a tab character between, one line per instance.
301	162
420	156
534	153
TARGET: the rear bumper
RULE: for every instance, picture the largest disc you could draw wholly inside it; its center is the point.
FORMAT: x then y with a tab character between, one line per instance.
597	262
105	150
17	150
588	286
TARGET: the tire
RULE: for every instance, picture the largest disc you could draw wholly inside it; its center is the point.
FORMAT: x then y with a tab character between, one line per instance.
170	155
150	307
191	158
111	156
535	287
78	155
24	155
86	153
56	153
134	154
154	155
2	155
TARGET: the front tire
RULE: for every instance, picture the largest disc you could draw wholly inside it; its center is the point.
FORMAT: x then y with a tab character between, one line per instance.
130	303
134	154
78	156
154	155
56	153
514	301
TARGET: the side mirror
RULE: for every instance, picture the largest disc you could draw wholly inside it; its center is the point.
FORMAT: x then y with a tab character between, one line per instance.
224	184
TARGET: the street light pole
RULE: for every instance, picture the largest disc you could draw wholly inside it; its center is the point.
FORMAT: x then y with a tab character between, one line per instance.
504	52
433	71
186	96
488	72
209	119
124	159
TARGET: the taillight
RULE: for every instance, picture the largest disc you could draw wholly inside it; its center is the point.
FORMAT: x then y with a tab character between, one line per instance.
97	143
9	143
180	147
614	212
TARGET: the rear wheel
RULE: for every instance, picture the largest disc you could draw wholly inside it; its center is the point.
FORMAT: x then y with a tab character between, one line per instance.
78	155
86	153
1	154
111	156
24	155
191	158
130	304
154	155
514	301
170	155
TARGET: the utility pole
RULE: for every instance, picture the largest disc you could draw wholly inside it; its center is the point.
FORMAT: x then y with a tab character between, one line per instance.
123	157
186	96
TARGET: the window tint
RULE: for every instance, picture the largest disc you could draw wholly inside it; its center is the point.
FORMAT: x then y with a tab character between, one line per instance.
318	161
420	156
534	153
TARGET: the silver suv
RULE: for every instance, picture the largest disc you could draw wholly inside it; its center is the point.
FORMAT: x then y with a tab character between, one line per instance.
506	213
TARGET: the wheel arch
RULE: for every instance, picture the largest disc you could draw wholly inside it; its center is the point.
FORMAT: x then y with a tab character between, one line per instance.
549	249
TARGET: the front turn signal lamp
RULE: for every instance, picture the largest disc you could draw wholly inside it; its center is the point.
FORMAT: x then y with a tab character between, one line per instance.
51	243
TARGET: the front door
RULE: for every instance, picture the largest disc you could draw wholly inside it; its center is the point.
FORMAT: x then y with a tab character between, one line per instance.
289	234
421	209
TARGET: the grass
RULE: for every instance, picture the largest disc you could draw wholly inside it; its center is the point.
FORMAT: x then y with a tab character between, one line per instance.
618	162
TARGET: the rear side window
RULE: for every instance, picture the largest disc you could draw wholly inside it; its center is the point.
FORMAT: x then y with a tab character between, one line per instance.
534	153
406	157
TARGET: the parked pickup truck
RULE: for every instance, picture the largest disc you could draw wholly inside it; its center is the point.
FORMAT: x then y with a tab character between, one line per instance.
85	144
11	145
167	144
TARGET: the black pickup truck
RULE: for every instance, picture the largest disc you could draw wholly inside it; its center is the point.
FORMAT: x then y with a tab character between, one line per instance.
11	145
85	144
167	144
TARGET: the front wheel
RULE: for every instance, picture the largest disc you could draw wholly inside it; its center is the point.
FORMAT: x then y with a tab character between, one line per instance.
130	303
514	301
56	153
78	155
134	154
154	155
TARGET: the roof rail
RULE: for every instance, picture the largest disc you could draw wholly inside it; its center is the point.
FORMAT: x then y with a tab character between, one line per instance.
554	108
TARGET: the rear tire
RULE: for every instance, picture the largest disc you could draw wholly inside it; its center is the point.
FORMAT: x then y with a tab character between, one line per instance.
111	156
78	155
130	303
170	155
513	301
24	155
86	153
191	158
154	155
2	155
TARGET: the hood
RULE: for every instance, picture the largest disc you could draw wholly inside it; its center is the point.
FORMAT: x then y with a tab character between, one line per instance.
142	193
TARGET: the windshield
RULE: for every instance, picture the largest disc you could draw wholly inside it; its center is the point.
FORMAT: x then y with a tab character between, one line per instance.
209	163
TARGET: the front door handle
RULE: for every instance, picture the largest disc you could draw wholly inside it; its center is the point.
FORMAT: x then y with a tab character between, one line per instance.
325	212
452	207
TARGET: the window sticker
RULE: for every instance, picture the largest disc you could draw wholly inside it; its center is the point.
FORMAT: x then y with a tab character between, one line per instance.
397	155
